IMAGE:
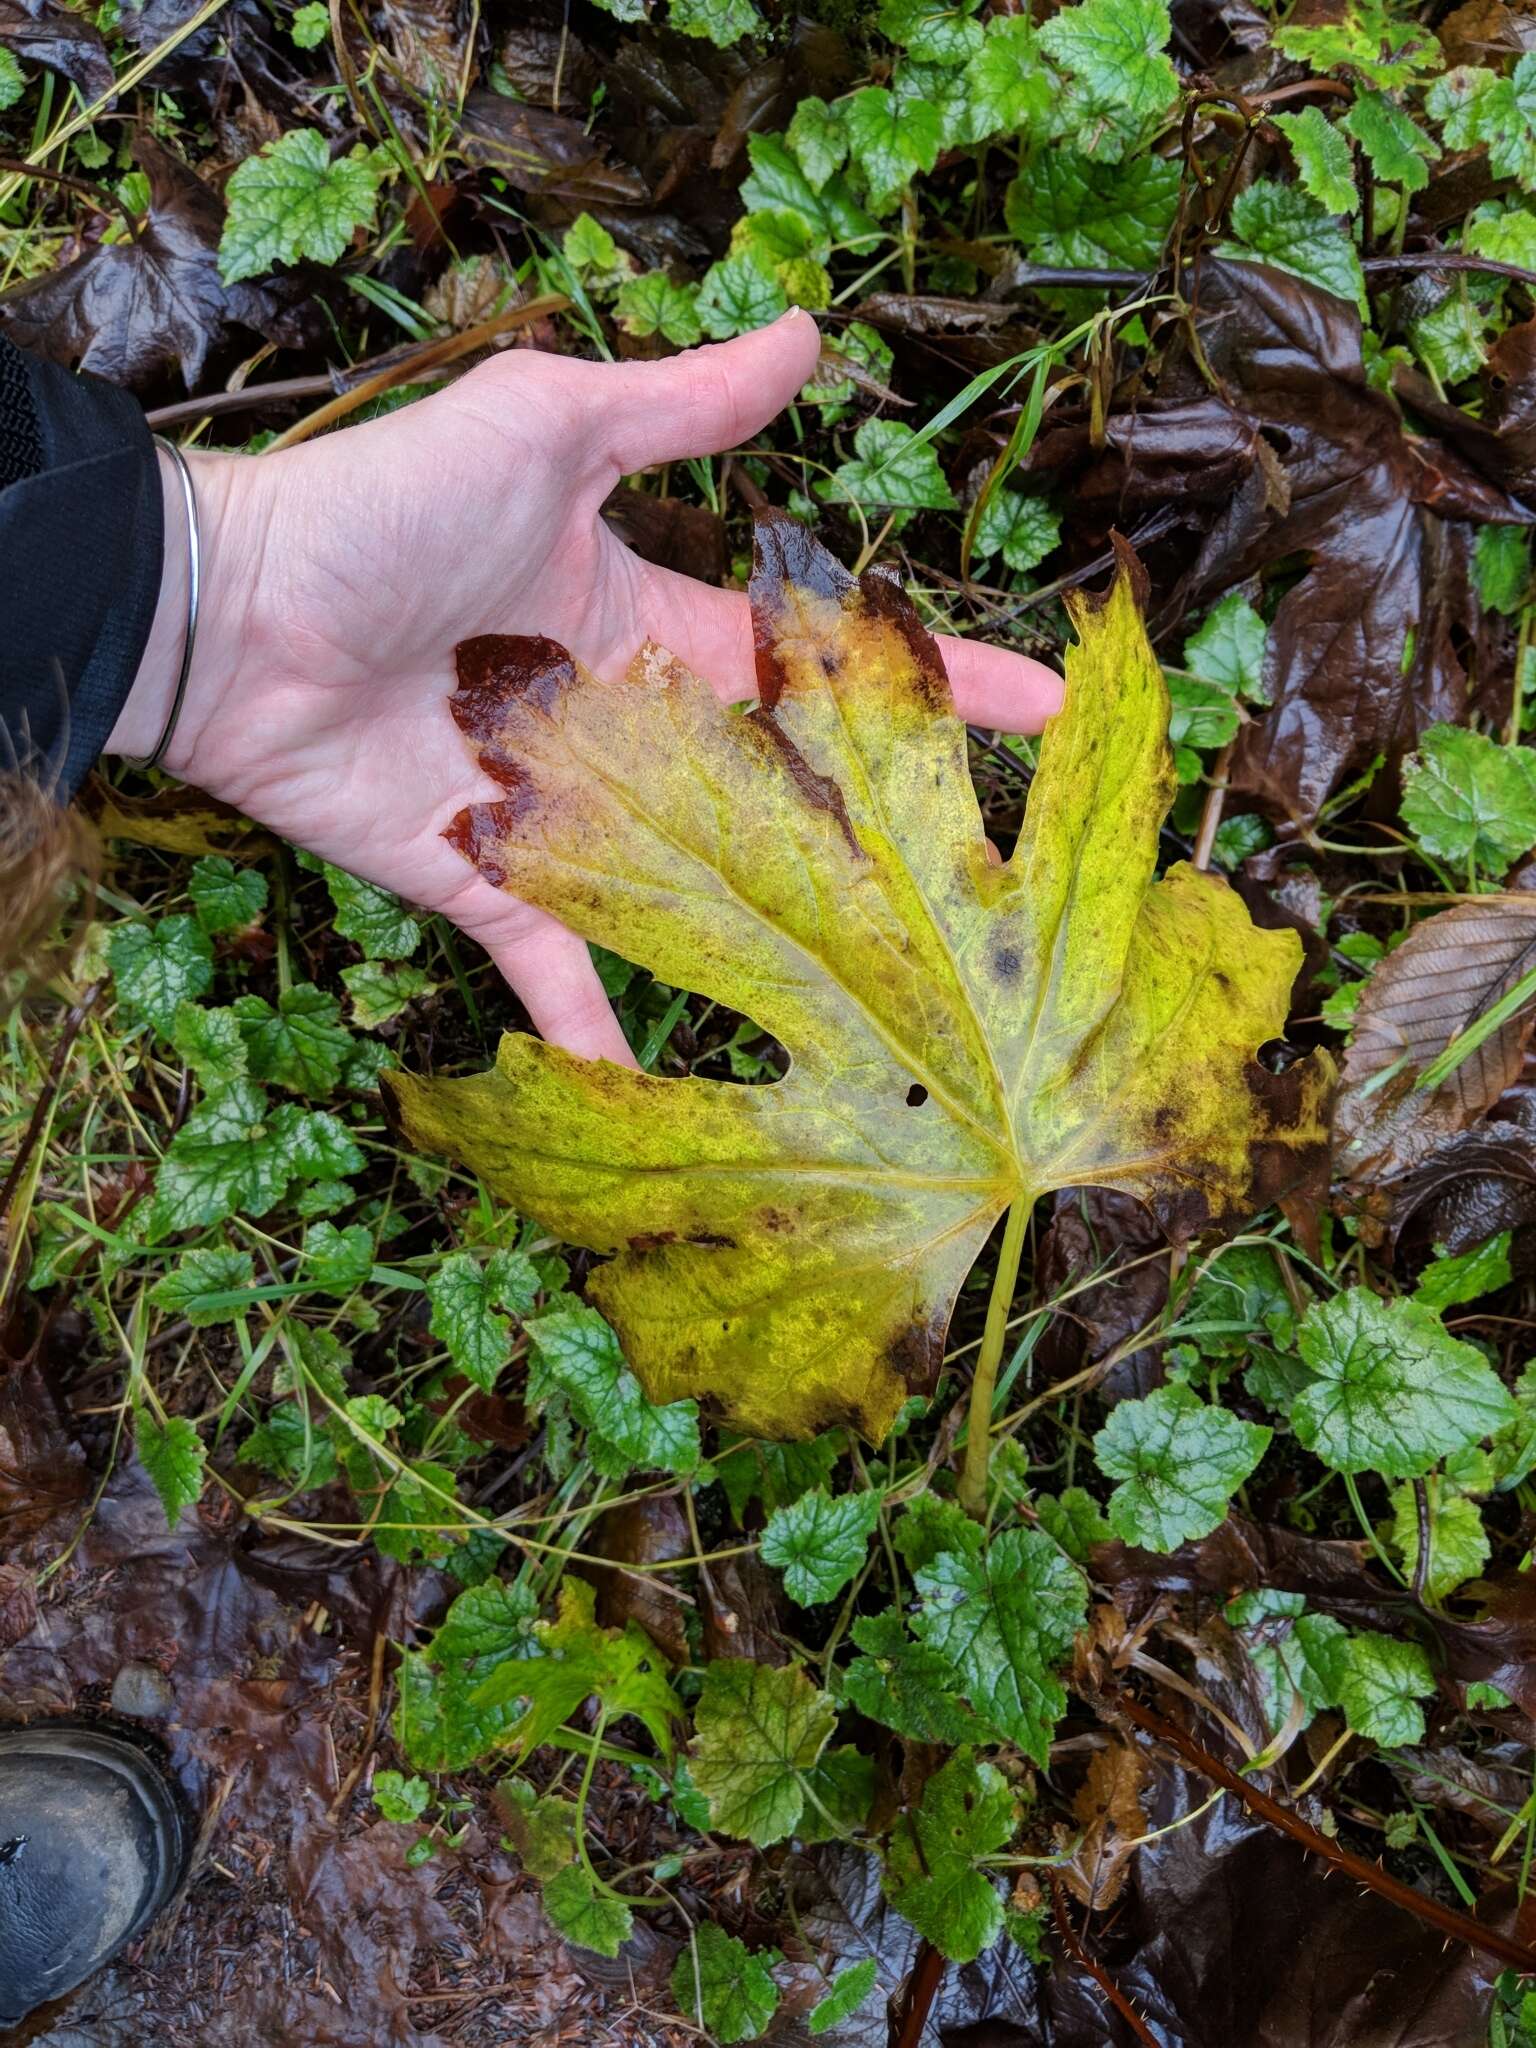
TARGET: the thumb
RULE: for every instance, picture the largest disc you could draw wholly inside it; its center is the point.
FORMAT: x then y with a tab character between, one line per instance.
706	399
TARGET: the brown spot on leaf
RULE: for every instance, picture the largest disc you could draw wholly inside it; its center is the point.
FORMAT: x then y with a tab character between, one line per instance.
916	1355
820	791
707	1240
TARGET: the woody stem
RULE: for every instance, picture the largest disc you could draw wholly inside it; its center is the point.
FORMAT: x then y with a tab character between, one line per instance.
978	1428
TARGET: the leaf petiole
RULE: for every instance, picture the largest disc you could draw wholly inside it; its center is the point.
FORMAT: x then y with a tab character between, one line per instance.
978	1438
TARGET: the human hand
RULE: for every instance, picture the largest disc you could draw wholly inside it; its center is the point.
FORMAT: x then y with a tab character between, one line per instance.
339	575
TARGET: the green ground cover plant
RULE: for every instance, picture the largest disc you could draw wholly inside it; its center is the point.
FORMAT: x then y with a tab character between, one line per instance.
1117	1500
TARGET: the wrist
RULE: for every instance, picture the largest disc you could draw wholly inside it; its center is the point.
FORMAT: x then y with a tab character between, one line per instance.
220	484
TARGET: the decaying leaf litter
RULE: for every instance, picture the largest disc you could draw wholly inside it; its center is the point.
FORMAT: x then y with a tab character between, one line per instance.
465	1634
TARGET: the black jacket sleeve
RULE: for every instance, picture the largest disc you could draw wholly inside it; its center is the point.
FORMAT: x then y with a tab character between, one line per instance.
81	549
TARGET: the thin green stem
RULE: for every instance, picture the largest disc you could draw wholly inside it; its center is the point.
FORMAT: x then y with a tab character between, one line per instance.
1368	1527
978	1436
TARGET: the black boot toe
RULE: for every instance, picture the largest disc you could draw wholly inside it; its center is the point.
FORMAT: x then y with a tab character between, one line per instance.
92	1845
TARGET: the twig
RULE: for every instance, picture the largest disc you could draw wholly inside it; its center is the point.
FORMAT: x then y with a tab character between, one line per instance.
1111	1990
402	372
1154	529
1215	804
1048	276
1056	276
1444	259
279	391
922	1989
1453	1925
103	198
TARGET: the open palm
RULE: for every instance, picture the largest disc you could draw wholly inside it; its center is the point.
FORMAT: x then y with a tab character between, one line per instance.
342	573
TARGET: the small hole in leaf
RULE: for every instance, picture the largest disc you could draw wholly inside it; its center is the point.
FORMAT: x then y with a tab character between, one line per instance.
917	1095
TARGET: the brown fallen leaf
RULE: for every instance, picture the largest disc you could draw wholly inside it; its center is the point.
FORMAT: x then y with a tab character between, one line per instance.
739	1600
1097	1232
1449	970
124	309
1479	1182
1360	658
644	1532
670	532
1242	1937
65	39
428	41
550	67
537	151
18	1604
1497	1644
1108	1809
42	1468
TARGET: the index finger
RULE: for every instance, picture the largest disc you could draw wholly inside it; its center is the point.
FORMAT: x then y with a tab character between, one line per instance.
710	631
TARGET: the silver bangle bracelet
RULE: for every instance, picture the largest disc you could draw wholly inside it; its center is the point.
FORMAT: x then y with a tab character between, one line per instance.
194	593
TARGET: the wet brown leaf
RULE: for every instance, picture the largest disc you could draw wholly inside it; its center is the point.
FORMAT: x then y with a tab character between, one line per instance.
925	314
1193	453
972	334
1479	1182
1213	29
763	100
1098	1231
18	1604
1510	411
64	39
1001	1997
537	151
470	292
42	1468
1483	31
428	41
1241	1937
125	309
1497	447
1287	358
644	1532
670	532
549	67
740	1603
1444	976
1487	1788
1497	1645
1108	1809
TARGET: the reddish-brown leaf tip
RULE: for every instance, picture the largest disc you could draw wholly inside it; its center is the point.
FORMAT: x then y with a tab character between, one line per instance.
785	554
1084	603
495	667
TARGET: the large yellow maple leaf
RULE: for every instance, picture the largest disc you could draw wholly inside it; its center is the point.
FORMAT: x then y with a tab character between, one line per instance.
963	1036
